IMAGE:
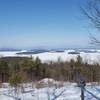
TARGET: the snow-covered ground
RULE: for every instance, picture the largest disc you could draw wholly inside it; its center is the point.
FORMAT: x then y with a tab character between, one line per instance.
67	92
89	57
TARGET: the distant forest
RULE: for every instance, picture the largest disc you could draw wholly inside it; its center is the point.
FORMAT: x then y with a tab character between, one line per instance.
28	69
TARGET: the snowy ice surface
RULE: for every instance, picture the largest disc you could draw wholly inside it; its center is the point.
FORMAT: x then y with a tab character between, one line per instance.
53	56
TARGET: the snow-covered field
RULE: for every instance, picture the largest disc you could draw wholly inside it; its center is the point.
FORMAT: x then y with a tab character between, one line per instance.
89	57
67	92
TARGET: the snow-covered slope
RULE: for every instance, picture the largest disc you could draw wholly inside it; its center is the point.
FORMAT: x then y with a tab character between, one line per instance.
67	92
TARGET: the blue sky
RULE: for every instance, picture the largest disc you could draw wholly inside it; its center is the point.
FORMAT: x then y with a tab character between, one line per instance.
42	23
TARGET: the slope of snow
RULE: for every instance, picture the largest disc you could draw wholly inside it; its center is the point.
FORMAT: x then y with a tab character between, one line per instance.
63	93
67	92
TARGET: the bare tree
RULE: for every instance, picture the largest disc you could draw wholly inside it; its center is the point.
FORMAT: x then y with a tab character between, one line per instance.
92	11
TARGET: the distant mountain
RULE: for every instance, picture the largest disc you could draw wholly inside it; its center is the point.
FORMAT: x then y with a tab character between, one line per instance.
75	52
34	51
9	49
39	50
57	50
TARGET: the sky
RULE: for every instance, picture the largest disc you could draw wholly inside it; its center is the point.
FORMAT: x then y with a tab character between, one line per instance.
42	23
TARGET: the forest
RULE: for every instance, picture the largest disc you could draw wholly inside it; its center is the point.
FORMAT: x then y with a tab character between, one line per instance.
24	69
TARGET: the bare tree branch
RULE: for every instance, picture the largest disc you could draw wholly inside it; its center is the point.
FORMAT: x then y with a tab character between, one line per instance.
92	12
93	39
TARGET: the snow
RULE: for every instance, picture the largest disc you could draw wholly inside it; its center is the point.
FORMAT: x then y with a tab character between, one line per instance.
63	93
53	56
67	92
47	80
